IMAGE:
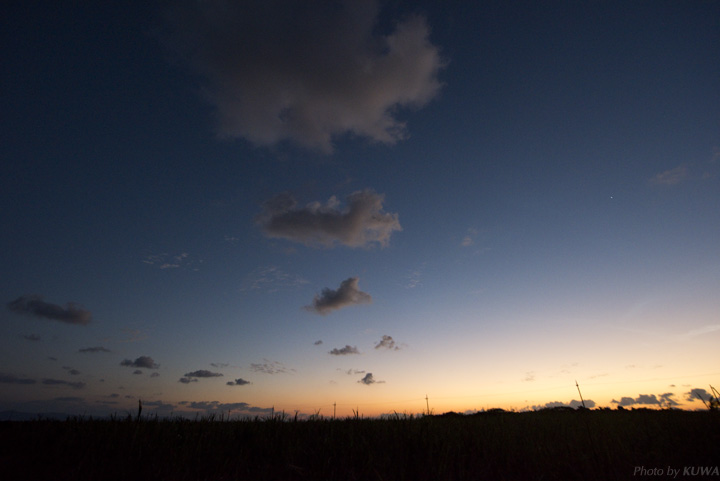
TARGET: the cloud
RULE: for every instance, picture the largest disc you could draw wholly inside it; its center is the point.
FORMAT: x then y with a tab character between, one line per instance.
155	374
665	399
360	224
369	379
350	372
137	371
387	342
318	342
347	294
529	376
699	393
12	379
187	380
306	72
217	406
34	305
574	404
94	349
345	350
203	373
670	177
238	382
271	367
272	279
145	362
31	337
74	385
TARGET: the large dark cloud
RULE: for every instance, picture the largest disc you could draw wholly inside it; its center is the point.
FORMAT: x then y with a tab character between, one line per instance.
305	71
71	313
145	362
361	223
348	349
347	294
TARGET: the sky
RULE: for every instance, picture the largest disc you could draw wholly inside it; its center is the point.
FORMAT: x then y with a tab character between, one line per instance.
375	207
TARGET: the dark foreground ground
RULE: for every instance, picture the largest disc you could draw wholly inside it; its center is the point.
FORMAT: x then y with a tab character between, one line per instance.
546	445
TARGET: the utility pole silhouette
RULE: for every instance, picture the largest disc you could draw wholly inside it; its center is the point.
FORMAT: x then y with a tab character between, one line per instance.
581	398
334	405
427	403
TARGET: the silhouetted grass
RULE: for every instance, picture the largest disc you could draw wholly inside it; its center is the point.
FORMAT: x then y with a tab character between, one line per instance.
545	445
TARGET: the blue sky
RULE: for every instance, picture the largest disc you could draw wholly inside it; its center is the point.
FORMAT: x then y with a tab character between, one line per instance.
220	206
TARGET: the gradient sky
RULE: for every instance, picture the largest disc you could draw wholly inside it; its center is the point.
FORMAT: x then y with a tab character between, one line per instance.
213	206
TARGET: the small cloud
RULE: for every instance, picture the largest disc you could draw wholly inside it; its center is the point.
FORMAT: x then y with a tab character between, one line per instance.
155	374
219	365
34	305
12	379
74	372
53	382
94	349
145	362
670	177
318	342
137	371
31	337
387	342
369	379
347	294
362	223
413	279
238	382
529	376
187	380
203	373
345	350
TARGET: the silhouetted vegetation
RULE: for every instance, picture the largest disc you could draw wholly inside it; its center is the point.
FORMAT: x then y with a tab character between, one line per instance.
499	445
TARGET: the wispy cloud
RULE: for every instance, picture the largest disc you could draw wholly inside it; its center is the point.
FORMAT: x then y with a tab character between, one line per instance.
360	224
94	349
71	313
347	294
413	279
13	379
238	382
387	342
369	379
318	342
343	351
671	176
305	72
172	261
203	373
351	372
271	279
187	380
31	337
217	406
145	362
271	367
60	382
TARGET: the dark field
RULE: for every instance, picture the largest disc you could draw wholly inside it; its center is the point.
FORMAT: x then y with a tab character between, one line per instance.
545	445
